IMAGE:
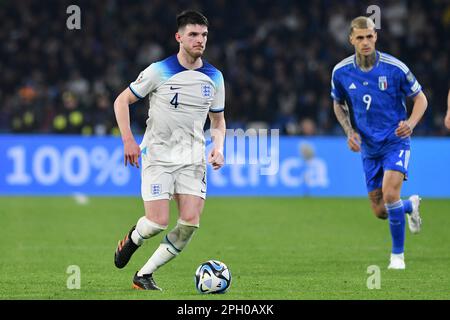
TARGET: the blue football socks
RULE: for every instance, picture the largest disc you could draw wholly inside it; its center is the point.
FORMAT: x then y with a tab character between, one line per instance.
407	205
396	216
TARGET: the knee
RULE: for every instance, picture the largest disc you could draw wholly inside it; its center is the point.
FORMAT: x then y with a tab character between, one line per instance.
390	196
157	211
190	218
158	218
191	215
190	208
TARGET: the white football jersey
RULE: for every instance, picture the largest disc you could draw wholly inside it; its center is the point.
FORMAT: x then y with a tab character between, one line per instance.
180	100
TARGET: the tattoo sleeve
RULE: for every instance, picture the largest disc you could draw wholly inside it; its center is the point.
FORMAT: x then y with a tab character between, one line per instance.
343	116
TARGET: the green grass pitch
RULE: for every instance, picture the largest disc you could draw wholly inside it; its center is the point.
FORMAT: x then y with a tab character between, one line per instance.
276	248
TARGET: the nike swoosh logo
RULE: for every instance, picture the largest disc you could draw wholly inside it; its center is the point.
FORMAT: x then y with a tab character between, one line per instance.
174	88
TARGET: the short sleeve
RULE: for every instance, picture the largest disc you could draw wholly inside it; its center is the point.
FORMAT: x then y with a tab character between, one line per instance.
146	82
409	84
336	89
218	104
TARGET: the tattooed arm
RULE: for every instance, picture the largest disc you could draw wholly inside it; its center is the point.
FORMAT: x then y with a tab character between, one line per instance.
343	116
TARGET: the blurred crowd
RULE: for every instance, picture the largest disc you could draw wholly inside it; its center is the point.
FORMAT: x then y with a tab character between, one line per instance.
276	57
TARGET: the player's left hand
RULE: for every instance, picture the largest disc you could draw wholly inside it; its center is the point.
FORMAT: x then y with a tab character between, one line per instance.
216	159
403	130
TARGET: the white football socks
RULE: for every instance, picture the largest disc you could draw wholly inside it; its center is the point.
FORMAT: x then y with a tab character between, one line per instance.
145	229
170	246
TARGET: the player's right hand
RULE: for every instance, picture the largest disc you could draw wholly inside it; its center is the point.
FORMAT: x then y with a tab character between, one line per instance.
131	152
447	120
354	141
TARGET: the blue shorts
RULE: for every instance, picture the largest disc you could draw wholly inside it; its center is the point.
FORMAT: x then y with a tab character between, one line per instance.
396	159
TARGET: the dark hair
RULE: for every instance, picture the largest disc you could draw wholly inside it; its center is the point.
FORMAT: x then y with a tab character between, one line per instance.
191	17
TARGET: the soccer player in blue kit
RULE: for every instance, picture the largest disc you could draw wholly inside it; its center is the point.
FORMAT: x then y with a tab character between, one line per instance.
369	90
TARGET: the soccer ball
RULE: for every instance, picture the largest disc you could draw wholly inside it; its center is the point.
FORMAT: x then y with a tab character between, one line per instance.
212	277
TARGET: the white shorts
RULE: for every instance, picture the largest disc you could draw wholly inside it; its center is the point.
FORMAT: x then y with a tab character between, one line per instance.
162	182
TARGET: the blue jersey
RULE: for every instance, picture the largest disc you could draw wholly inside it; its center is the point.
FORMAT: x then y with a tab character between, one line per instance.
376	99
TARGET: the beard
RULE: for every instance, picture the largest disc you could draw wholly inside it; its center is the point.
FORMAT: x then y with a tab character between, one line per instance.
195	53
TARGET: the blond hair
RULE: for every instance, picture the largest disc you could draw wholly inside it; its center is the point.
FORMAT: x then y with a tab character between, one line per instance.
361	22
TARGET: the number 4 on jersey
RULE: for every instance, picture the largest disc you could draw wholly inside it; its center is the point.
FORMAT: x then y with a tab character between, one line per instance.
174	100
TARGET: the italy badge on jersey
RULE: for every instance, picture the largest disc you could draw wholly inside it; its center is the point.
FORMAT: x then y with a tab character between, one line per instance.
382	83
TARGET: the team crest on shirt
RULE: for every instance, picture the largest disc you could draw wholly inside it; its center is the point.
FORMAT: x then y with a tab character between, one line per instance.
382	83
206	91
156	189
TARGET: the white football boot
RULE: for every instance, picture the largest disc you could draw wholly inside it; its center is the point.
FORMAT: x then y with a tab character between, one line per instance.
397	261
414	220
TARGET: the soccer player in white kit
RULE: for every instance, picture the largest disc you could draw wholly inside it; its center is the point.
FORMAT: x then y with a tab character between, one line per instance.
183	90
